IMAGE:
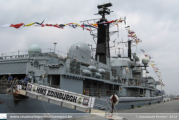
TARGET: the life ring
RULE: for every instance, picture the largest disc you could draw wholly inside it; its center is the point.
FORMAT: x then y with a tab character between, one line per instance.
116	97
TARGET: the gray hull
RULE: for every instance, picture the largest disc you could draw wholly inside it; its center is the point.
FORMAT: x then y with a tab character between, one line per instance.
31	105
129	102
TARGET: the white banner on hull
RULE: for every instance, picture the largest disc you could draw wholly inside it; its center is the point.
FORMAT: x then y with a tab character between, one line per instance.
62	95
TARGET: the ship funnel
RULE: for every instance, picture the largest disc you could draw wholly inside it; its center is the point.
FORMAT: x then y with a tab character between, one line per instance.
129	49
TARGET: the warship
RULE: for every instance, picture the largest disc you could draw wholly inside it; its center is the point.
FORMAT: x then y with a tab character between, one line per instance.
78	74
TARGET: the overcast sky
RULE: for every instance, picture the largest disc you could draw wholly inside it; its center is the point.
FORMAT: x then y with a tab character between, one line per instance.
154	21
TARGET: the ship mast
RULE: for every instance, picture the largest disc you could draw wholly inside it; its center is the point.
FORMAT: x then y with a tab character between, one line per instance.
102	47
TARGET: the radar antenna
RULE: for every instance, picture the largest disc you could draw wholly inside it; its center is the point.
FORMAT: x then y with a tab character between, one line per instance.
103	10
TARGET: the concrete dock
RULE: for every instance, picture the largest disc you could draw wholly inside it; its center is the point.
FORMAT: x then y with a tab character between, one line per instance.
161	111
164	107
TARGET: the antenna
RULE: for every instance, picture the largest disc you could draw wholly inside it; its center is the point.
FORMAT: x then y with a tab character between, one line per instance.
67	51
54	45
103	10
124	20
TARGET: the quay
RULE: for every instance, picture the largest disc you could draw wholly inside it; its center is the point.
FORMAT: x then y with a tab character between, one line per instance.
160	111
163	107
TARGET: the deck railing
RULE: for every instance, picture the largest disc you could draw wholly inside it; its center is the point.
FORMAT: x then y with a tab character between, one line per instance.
99	92
107	93
129	94
138	84
24	54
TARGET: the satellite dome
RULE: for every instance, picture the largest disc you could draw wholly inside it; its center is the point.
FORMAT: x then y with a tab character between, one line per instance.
145	60
80	51
34	49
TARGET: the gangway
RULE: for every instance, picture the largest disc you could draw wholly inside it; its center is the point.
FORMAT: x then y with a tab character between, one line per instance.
63	98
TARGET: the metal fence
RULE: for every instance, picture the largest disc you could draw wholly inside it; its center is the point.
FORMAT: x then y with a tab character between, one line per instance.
25	54
106	93
104	104
137	84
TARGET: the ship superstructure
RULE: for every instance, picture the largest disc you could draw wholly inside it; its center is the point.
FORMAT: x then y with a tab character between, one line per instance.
80	73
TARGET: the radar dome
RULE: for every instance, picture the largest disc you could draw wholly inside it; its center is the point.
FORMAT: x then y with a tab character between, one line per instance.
34	49
81	52
145	61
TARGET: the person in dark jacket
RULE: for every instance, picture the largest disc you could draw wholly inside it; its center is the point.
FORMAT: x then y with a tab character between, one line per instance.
26	79
10	78
3	80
